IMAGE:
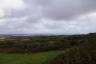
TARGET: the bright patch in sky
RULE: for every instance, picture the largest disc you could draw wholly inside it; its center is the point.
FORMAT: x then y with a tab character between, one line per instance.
11	4
2	13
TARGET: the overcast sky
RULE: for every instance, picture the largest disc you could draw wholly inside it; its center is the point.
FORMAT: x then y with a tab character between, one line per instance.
47	16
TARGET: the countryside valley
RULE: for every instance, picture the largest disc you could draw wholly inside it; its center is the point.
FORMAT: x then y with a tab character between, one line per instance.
59	49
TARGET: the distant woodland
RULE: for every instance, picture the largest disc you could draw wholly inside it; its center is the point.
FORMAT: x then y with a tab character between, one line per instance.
43	43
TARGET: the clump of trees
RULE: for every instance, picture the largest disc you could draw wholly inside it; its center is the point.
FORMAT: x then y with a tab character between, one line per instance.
83	54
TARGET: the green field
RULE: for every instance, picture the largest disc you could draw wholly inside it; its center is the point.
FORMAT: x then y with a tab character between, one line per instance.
34	58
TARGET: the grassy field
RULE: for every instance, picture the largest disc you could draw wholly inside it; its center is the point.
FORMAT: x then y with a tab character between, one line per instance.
34	58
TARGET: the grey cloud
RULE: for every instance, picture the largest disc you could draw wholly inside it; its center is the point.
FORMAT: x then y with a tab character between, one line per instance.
69	9
40	2
52	11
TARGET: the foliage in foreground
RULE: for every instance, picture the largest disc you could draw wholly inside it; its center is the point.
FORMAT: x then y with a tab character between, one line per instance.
83	54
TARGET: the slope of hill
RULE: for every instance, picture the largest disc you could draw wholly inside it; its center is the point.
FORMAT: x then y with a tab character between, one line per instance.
83	54
33	58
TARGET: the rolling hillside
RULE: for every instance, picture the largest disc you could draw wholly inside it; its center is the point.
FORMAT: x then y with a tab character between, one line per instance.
73	49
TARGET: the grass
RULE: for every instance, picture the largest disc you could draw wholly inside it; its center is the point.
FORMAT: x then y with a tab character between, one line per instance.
34	58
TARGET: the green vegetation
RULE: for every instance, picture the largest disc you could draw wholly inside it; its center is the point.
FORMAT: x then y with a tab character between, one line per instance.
82	54
33	58
37	44
74	49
